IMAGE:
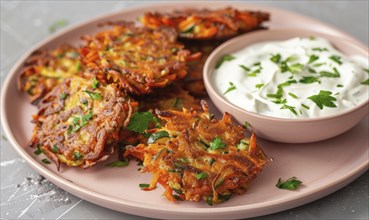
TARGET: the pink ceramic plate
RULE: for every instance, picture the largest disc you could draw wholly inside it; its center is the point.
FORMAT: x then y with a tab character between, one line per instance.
321	170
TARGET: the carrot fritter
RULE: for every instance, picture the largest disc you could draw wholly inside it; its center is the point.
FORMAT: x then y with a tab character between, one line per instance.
207	24
78	121
138	58
45	69
195	156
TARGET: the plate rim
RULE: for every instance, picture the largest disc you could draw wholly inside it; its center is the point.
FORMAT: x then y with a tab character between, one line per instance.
257	209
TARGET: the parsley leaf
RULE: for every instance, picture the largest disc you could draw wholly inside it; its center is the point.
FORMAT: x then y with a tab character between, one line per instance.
45	161
291	108
217	143
254	72
290	184
366	82
63	96
201	175
140	122
57	24
230	88
295	68
143	185
118	163
93	95
244	67
188	29
155	136
55	149
39	150
258	86
226	57
336	59
95	83
336	74
276	58
309	79
77	155
319	49
313	58
324	98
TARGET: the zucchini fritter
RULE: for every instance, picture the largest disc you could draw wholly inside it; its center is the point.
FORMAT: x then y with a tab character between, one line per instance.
45	69
138	58
207	24
195	156
78	121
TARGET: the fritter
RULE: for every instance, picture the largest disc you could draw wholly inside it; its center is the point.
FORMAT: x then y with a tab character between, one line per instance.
45	69
207	24
195	156
138	58
78	121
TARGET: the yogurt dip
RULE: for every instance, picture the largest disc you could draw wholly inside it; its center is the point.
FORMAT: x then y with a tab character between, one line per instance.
296	78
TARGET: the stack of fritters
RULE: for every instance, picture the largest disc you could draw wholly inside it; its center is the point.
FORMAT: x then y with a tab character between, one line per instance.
195	156
78	122
85	99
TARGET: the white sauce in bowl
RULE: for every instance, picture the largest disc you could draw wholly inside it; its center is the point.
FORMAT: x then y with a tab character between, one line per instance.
297	78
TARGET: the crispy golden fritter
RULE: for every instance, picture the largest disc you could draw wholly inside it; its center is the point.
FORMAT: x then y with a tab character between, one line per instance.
137	58
195	157
78	121
45	69
207	24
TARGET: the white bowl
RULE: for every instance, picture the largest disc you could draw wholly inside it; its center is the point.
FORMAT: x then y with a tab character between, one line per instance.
282	129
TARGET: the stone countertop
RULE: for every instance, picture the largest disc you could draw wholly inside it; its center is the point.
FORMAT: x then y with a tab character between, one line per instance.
26	195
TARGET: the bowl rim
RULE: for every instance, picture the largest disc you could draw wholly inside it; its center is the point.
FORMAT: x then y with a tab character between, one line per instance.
211	90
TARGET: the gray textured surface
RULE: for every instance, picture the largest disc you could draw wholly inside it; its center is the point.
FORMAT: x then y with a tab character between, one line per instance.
25	195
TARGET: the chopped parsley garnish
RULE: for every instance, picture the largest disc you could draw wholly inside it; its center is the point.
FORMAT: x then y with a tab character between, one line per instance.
276	58
217	143
311	70
93	95
244	68
55	149
292	95
291	108
309	79
319	49
45	161
189	29
313	58
283	67
63	95
143	185
366	82
335	73
95	83
218	183
155	136
226	57
230	88
258	86
336	59
118	163
38	151
276	95
254	72
57	24
177	197
201	175
295	68
291	58
140	122
291	184
324	98
318	64
339	85
77	155
80	121
305	106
